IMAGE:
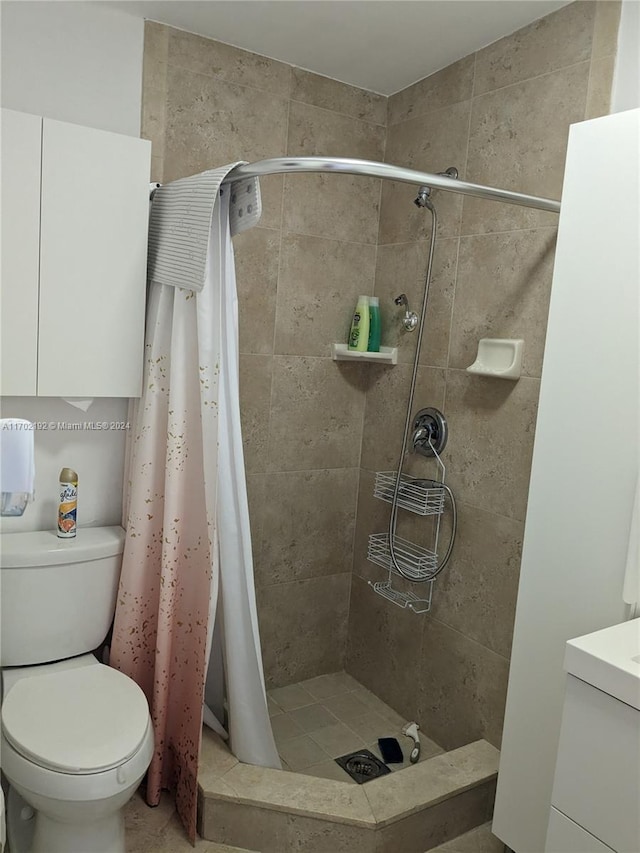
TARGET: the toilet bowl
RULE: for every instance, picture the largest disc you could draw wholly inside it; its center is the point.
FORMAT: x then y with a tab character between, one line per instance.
76	741
76	736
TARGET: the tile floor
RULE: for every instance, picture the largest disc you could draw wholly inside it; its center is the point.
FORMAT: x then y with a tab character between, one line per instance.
322	718
478	840
159	830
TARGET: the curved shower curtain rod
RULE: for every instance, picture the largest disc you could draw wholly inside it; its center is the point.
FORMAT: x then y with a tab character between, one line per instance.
372	169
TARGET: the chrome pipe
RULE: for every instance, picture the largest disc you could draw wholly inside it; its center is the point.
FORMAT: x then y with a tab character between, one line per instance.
372	169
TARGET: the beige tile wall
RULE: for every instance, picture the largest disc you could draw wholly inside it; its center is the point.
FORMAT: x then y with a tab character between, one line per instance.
299	274
502	117
315	431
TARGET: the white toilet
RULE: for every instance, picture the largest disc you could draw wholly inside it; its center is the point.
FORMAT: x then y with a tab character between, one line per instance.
76	735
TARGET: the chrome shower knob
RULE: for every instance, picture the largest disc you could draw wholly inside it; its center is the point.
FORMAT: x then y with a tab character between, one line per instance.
430	432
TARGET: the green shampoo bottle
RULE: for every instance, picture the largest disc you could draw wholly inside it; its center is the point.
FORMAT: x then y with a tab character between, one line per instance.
374	324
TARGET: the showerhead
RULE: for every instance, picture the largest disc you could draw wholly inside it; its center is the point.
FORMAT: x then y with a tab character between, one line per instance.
424	193
423	199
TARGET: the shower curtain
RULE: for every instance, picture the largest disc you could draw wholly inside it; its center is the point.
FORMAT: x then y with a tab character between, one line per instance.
187	557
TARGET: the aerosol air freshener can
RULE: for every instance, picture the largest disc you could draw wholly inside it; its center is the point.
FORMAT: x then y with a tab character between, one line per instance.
68	504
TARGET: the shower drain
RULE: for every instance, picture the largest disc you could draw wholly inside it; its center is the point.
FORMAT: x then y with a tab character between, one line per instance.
362	766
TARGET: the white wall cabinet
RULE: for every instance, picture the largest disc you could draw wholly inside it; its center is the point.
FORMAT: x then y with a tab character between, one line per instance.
75	204
20	198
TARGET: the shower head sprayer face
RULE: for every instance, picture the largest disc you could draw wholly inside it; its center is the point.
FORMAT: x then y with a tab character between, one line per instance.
422	199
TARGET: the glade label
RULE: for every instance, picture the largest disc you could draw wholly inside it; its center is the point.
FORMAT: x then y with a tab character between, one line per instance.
68	493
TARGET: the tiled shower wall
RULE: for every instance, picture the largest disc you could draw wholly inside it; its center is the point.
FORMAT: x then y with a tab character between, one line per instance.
501	116
299	274
315	430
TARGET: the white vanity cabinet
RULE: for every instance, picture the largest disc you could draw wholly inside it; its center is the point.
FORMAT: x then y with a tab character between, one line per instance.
596	791
75	204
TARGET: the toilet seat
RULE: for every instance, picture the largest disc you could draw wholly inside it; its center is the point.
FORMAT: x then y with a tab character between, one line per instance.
79	721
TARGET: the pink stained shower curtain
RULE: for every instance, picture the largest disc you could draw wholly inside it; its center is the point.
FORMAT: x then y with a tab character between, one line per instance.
169	580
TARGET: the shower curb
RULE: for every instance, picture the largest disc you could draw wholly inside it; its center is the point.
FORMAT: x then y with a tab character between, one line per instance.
413	810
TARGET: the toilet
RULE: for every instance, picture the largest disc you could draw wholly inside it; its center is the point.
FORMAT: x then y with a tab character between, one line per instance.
76	735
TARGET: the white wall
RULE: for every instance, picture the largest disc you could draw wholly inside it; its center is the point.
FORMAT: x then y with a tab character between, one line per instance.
626	84
73	61
82	63
585	462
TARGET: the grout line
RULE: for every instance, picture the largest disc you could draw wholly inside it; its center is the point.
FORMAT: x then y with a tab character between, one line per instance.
304	471
473	79
268	227
468	146
275	313
591	61
589	92
480	234
512	518
219	79
428	112
339	112
303	580
334	239
453	308
471	639
523	376
473	234
528	79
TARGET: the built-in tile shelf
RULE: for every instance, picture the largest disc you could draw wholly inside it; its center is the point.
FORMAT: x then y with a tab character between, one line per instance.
387	355
500	358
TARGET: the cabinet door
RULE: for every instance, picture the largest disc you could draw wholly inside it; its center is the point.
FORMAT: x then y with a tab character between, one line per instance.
95	203
565	836
20	198
597	781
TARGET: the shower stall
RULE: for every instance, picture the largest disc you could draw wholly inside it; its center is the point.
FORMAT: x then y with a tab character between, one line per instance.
335	726
317	432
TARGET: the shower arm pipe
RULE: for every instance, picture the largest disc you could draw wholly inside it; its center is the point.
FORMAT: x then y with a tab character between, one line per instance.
373	169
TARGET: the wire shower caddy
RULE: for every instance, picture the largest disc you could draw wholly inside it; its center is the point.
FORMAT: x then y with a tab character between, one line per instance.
423	497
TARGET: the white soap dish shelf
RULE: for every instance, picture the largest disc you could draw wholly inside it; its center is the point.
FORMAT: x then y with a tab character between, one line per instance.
387	355
500	358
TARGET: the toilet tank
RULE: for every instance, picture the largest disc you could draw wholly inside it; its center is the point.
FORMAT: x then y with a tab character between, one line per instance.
57	596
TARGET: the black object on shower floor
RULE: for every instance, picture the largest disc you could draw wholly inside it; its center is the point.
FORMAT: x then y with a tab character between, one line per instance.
362	766
390	750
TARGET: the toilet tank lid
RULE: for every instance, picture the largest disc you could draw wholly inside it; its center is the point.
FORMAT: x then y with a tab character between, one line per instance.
44	548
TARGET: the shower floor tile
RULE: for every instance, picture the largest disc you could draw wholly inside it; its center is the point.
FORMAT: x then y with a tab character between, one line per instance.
322	718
